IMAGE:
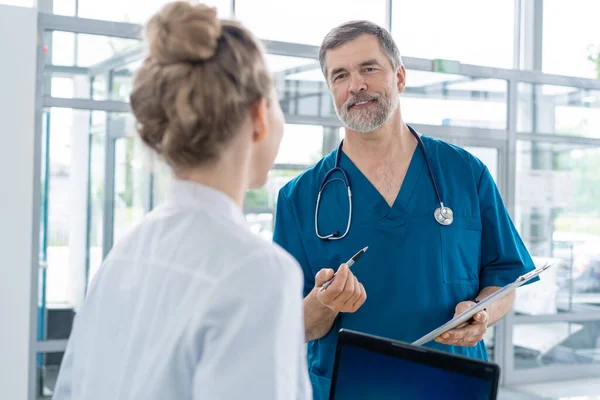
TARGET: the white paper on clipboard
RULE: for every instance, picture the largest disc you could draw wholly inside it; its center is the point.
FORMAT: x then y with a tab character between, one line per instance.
465	316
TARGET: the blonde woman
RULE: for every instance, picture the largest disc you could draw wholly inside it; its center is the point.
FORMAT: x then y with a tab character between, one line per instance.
191	304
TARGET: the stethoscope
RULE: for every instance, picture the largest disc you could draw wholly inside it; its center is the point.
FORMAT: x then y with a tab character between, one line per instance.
443	215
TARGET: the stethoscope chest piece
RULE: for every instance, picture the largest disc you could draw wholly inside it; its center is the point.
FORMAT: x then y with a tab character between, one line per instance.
444	215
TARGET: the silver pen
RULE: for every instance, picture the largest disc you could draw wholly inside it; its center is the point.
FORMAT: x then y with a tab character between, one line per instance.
350	262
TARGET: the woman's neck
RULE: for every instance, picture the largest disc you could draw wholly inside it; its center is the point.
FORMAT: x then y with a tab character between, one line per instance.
225	176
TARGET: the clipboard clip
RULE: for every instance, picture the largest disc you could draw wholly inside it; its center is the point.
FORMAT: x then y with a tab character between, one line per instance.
534	273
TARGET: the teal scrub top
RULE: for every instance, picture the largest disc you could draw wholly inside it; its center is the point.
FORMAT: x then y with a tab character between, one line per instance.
415	271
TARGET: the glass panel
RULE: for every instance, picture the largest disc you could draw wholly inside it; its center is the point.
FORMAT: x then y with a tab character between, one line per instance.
69	49
266	197
442	99
304	22
76	86
43	254
277	63
63	48
122	83
292	76
96	192
301	144
136	11
100	87
429	98
301	86
62	87
487	155
47	374
451	32
571	35
558	215
556	343
63	282
69	86
65	7
132	184
559	109
93	49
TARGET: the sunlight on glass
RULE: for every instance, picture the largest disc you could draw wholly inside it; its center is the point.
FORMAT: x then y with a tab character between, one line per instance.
416	78
136	11
304	22
66	196
470	31
444	99
64	7
93	49
301	144
432	111
277	63
63	87
313	75
571	36
19	3
63	48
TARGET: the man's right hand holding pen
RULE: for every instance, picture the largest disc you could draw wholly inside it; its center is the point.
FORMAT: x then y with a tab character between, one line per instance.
345	294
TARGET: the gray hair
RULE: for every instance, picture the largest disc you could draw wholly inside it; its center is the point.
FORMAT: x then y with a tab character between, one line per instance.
353	29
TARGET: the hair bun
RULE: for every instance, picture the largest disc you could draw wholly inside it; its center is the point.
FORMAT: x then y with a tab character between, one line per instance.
182	32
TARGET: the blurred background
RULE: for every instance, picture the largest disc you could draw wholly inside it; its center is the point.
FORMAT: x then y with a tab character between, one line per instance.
515	82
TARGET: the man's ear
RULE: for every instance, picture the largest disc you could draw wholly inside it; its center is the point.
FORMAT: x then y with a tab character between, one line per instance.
259	115
401	76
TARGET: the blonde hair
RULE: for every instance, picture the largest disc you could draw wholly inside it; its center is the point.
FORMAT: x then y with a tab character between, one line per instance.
196	85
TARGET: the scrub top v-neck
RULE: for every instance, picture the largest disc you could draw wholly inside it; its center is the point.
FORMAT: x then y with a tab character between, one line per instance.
364	189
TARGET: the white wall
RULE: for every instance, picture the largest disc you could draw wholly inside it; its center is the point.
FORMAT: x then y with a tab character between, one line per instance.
18	32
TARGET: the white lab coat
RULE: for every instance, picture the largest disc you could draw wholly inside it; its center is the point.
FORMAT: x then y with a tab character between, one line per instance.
190	305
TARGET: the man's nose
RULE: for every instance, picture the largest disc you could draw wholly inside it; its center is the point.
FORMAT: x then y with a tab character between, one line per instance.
358	85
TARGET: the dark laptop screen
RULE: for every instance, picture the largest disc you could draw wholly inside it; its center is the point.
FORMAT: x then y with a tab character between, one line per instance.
363	374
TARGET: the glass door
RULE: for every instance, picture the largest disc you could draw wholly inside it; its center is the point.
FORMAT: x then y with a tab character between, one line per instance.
132	184
557	322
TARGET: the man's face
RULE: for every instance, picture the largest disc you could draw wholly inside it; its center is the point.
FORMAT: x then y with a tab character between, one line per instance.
363	83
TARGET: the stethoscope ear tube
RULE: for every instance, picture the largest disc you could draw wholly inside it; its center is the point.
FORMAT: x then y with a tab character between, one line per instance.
335	235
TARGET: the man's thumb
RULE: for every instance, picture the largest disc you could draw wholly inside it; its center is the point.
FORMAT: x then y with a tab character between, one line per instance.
323	276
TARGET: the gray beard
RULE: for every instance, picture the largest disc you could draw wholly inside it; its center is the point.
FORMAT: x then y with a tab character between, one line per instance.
368	119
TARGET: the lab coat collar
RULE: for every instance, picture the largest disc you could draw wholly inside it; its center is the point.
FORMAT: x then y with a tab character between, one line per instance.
193	195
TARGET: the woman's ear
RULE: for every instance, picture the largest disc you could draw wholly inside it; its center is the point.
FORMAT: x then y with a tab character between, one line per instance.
259	115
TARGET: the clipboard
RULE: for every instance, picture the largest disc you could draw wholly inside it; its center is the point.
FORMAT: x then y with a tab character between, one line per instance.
466	315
